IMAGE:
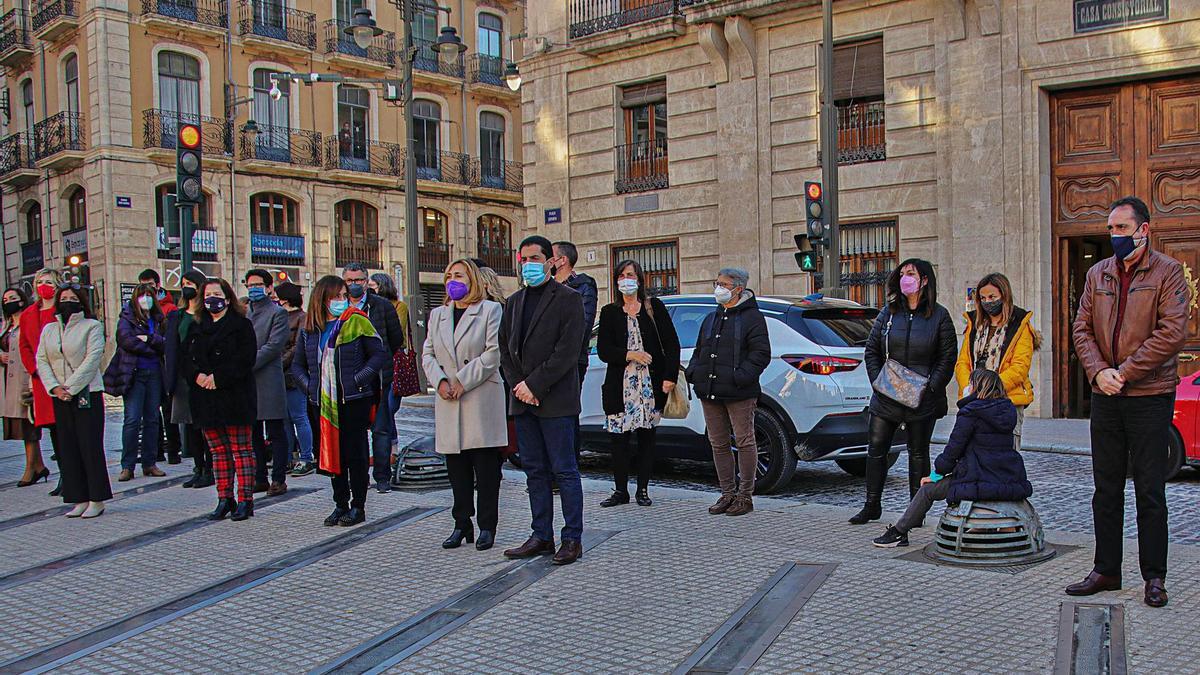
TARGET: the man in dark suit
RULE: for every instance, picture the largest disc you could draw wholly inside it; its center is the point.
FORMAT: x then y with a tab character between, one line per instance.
539	353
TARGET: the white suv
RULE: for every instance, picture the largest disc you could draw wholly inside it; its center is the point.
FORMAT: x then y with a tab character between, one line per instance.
814	391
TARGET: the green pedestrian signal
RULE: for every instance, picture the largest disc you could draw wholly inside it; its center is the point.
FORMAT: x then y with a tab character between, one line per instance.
808	260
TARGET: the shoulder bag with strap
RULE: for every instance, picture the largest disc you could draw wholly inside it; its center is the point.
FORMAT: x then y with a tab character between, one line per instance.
405	381
896	381
679	400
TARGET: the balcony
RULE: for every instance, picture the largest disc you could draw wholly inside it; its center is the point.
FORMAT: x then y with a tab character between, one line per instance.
160	127
209	17
429	61
273	27
503	260
59	141
298	147
642	166
31	257
53	19
276	249
648	20
433	257
204	246
16	43
357	249
486	69
497	174
17	168
861	133
365	157
453	168
341	48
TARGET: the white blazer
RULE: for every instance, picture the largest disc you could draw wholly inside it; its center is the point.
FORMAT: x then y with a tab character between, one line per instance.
468	353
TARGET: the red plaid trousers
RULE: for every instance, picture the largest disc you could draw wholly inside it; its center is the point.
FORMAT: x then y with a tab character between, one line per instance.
232	452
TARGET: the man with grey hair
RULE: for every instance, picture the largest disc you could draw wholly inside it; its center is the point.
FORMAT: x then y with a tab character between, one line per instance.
732	350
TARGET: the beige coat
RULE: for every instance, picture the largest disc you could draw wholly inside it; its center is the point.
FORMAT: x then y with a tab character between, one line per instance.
71	357
16	381
468	353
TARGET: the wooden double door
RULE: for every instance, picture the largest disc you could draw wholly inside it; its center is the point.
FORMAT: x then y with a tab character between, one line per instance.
1141	139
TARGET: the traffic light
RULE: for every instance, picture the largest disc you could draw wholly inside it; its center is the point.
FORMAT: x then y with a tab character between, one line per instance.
814	214
188	180
808	259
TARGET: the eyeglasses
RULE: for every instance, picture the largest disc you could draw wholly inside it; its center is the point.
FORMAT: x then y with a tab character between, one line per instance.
70	286
728	287
255	284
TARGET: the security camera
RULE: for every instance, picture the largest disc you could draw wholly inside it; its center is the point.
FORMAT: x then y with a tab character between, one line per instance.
275	92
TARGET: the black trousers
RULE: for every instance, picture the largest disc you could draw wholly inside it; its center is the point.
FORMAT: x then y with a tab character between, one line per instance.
354	440
1130	432
171	441
475	477
880	432
81	451
272	447
197	447
621	456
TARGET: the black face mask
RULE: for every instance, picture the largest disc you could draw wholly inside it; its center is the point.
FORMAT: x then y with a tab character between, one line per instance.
993	308
13	307
188	293
66	308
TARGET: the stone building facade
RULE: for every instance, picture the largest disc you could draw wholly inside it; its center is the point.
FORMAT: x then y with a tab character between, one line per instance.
982	135
96	91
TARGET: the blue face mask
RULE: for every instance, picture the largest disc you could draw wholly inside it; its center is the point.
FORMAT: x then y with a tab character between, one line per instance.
257	293
1125	245
336	307
534	273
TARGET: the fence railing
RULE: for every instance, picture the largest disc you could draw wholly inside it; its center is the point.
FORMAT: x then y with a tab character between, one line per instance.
430	61
357	250
16	152
503	260
298	147
160	127
377	157
206	12
381	50
433	257
57	133
642	166
486	69
861	133
14	31
443	167
497	174
596	16
46	11
277	21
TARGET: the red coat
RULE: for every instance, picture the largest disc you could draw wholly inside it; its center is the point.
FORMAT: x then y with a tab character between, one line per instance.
33	319
167	304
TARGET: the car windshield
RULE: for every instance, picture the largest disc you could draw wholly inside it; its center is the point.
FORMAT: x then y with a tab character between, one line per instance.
834	326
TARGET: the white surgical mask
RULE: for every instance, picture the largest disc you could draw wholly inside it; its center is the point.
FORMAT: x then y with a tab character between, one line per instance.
627	286
145	302
722	295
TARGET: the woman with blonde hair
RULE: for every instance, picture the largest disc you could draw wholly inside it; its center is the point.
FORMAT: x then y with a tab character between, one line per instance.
492	290
1000	337
34	319
461	357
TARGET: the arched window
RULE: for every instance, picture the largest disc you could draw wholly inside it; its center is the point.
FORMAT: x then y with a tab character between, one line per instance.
32	257
495	243
178	93
27	107
273	213
77	210
434	226
273	117
491	149
357	233
427	122
33	222
166	215
490	36
354	106
71	77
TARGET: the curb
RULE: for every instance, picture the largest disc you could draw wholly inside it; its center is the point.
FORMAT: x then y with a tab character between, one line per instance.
1052	448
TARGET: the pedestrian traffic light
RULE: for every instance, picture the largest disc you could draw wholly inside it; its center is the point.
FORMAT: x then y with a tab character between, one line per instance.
188	180
808	259
814	214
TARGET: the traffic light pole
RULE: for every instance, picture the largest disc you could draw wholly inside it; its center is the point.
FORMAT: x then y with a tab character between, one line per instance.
412	268
829	157
185	239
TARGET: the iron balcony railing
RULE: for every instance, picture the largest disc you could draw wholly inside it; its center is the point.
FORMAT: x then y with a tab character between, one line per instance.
268	248
381	50
433	257
298	147
32	258
861	133
357	249
160	127
277	21
207	12
350	154
443	167
431	62
58	133
16	152
46	11
497	174
642	166
14	31
589	17
503	260
486	69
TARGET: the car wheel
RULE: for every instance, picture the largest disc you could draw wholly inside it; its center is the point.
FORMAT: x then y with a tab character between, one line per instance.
776	462
857	466
1175	453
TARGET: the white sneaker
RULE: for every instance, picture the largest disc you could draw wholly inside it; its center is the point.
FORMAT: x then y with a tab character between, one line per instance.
94	509
78	510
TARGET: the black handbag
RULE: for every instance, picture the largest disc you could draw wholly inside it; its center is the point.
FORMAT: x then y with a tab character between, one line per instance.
896	381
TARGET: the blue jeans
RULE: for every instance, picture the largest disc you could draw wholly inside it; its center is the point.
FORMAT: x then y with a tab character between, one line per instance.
297	427
142	399
382	434
547	448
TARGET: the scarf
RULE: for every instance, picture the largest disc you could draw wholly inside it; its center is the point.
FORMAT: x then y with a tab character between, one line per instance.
350	326
989	347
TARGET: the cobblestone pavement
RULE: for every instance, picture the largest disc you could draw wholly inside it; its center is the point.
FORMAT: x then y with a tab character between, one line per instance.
641	600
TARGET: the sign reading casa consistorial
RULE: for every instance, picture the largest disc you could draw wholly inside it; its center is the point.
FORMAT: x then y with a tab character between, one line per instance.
1099	14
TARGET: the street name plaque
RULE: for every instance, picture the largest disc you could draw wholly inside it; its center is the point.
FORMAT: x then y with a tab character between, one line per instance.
1091	15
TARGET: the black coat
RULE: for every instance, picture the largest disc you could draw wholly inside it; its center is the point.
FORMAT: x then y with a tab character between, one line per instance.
585	286
225	349
733	349
980	453
173	351
547	359
927	345
658	339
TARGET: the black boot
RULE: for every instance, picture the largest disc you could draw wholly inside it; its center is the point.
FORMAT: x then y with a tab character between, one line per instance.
458	535
206	479
224	508
191	482
244	511
918	468
872	510
486	539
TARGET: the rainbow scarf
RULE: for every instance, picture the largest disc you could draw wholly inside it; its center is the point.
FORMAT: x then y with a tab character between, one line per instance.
350	326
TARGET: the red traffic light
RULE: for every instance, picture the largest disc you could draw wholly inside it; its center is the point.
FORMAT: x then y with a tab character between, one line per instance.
189	136
814	190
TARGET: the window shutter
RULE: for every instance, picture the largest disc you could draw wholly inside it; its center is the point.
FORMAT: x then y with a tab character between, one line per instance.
645	94
858	71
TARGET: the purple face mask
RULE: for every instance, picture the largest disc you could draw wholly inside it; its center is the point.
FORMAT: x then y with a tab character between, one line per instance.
909	285
456	289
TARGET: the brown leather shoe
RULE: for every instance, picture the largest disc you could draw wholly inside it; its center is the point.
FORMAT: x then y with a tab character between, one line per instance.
276	489
532	547
153	471
740	507
126	474
722	505
1095	583
1156	593
570	551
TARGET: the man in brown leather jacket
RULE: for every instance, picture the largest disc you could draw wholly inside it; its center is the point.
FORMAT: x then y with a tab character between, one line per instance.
1131	325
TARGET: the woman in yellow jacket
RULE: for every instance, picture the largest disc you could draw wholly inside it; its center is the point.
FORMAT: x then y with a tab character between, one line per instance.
1001	338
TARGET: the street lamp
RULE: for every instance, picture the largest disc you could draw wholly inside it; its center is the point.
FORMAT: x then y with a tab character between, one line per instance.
251	130
362	28
512	76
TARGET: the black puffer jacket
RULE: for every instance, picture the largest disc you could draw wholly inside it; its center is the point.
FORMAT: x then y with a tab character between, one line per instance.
980	453
927	345
732	351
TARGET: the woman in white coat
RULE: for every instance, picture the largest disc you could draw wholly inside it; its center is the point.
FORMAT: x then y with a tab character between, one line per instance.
461	358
